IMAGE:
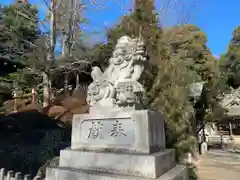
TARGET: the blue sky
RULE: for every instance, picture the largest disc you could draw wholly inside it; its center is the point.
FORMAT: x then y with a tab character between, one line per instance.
217	18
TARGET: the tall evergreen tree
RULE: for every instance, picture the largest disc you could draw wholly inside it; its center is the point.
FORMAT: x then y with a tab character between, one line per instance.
188	42
19	32
230	62
20	20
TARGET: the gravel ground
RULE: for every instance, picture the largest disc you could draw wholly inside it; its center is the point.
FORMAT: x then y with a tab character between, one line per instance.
219	165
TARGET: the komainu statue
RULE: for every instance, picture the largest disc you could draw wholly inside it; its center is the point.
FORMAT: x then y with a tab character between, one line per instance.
119	85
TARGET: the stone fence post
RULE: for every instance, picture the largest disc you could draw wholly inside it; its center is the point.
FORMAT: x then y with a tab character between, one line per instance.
27	177
18	176
2	174
9	175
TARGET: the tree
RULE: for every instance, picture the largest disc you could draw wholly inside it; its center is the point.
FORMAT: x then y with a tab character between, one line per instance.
19	31
230	62
20	22
68	17
169	94
71	30
64	18
188	42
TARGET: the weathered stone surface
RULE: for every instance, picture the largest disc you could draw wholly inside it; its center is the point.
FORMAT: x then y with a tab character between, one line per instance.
204	148
149	166
53	173
140	131
119	85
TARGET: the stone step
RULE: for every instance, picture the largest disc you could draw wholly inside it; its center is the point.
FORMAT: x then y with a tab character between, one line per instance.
149	166
179	172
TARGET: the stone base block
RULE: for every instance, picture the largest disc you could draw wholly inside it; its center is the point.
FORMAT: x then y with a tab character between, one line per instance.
54	173
139	131
149	166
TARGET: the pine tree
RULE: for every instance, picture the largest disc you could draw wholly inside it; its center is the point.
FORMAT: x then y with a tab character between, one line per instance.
20	19
19	32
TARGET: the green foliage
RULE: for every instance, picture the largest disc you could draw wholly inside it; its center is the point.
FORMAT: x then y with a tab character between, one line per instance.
24	81
192	172
22	19
19	33
20	22
188	42
101	53
169	95
230	62
36	58
5	48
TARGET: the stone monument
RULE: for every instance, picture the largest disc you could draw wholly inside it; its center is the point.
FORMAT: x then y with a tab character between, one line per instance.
118	139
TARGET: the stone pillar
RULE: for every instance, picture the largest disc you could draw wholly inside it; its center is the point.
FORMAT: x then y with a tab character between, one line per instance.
77	81
15	102
189	158
204	148
230	129
9	175
66	83
221	137
27	177
2	174
18	176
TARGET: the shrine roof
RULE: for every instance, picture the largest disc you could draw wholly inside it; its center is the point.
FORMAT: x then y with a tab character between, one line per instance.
231	102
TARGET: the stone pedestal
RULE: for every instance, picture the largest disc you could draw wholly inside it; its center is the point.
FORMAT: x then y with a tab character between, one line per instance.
139	131
117	145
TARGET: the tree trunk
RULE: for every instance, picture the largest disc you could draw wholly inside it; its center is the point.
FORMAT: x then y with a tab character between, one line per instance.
66	84
64	40
77	82
46	90
193	132
50	55
71	30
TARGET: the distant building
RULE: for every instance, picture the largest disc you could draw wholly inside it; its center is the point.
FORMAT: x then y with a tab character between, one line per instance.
231	102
